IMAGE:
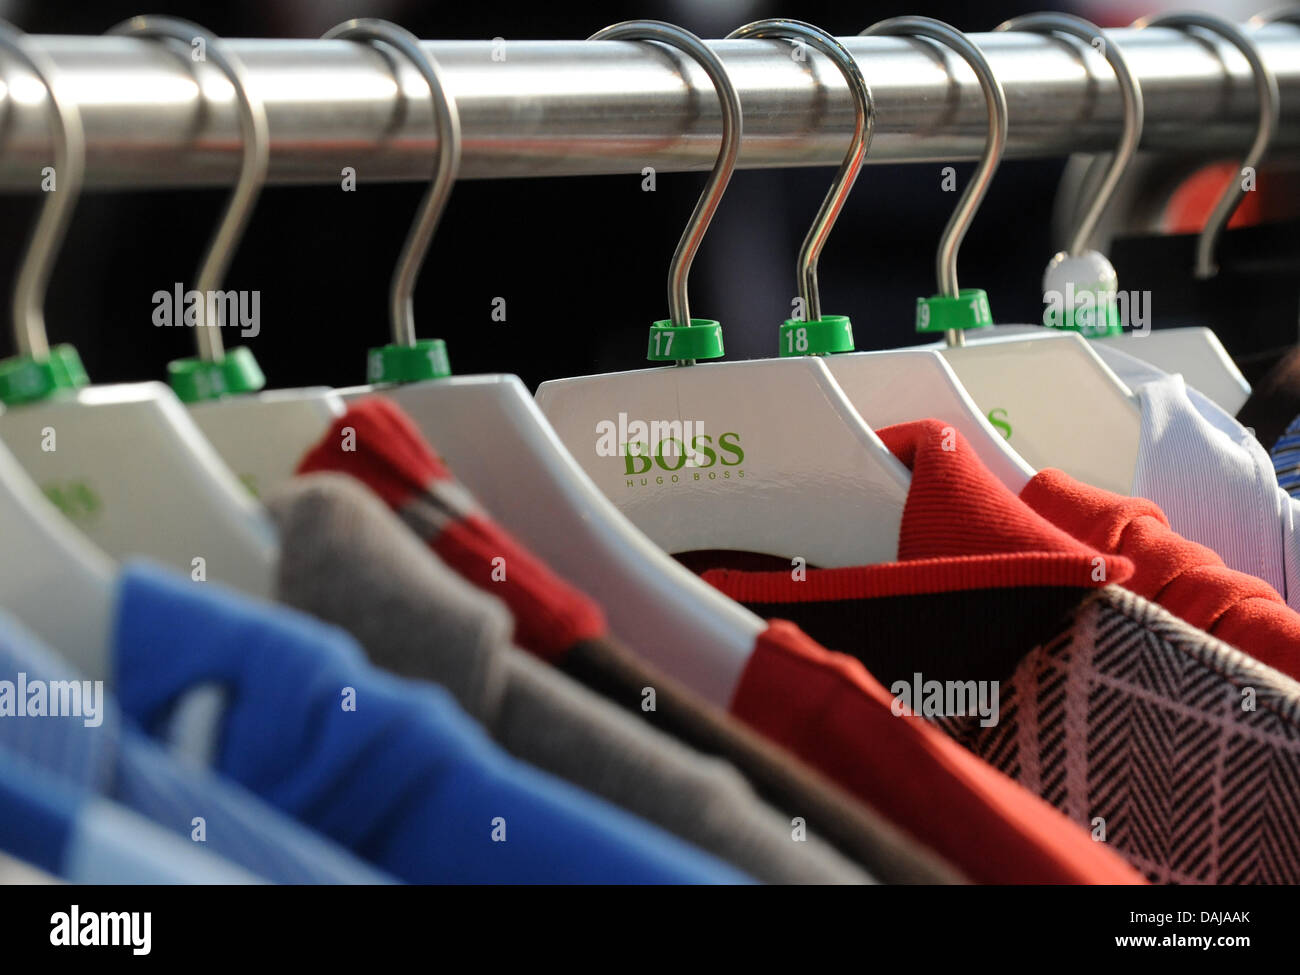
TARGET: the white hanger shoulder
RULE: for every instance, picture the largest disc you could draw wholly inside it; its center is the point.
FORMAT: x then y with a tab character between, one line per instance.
52	578
783	464
129	467
498	443
1058	404
1197	354
901	385
262	436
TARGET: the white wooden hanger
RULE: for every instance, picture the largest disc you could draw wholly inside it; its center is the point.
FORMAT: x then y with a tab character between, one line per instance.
775	458
1057	402
901	385
132	469
52	578
260	435
502	448
1197	353
887	387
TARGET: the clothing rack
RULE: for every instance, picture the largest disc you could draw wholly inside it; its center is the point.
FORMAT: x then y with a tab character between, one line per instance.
154	117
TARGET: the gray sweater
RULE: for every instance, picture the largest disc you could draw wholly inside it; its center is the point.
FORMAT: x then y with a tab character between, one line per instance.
348	560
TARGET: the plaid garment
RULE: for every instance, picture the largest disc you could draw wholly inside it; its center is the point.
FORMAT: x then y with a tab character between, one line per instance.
1184	751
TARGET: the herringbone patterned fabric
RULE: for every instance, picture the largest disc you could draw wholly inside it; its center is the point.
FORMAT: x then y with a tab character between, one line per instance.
1181	752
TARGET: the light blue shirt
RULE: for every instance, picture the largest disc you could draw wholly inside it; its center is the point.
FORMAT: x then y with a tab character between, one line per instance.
53	824
100	754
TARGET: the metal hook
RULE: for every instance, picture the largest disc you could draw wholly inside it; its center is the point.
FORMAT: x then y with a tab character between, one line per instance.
732	122
1289	14
401	304
996	100
52	224
1269	108
815	240
252	174
1130	92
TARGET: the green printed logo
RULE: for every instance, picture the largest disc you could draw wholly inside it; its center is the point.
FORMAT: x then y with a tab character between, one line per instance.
671	453
679	448
998	418
699	460
76	499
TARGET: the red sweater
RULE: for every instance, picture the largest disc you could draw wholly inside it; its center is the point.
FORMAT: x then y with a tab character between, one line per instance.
1186	578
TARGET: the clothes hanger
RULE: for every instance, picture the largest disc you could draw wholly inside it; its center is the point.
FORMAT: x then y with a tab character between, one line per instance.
1266	91
1063	406
223	390
62	587
501	447
893	386
1085	278
124	461
53	579
1197	353
765	455
1289	14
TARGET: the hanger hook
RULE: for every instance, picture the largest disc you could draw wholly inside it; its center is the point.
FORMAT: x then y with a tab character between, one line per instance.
401	304
252	174
996	100
1288	14
1269	107
732	122
69	142
864	125
1130	92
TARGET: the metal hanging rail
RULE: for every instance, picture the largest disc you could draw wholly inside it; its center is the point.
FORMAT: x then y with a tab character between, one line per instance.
555	108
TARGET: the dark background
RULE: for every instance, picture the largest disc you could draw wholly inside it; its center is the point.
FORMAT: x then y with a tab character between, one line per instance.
583	259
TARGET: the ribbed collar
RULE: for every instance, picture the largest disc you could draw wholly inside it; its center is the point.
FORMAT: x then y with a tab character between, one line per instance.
961	529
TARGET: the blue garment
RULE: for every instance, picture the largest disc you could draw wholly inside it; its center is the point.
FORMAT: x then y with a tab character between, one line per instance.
91	748
404	777
59	827
1286	459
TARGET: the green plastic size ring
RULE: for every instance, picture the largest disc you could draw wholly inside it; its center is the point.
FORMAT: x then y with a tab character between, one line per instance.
426	359
702	339
24	379
195	380
970	309
820	336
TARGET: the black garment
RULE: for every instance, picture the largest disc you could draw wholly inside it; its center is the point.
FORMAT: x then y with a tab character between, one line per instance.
1274	399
